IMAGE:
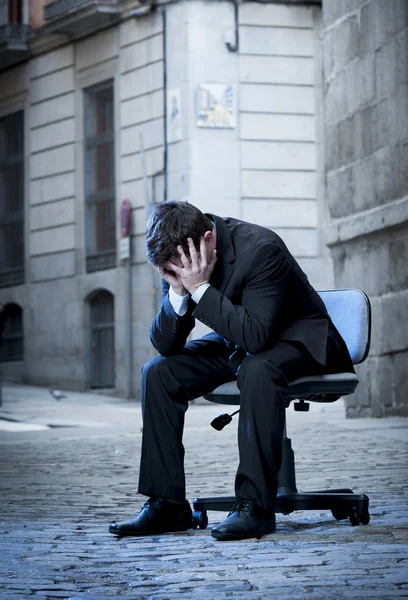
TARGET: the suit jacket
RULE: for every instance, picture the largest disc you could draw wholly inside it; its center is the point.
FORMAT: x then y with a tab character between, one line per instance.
258	295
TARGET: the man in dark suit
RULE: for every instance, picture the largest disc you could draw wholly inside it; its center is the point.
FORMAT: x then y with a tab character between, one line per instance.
270	327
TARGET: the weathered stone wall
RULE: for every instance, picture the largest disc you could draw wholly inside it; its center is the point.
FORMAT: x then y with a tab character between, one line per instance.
365	52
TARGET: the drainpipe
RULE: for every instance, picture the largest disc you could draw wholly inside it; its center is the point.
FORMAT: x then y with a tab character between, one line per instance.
165	158
232	42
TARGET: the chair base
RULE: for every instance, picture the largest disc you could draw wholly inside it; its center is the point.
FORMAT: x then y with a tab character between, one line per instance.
342	503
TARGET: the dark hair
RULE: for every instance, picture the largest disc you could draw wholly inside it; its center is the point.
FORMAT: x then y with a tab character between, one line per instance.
170	225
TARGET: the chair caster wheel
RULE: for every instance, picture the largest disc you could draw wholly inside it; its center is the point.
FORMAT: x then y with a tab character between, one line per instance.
353	516
340	514
364	517
361	517
200	519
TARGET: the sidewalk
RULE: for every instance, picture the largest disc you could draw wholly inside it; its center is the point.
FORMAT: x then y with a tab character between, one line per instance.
72	468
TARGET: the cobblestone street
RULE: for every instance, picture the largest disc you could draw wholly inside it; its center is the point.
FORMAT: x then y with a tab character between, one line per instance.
62	485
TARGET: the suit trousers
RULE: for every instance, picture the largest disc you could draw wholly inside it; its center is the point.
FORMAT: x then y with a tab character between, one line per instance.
169	383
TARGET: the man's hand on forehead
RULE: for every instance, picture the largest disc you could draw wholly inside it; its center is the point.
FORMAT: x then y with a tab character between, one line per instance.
172	279
196	269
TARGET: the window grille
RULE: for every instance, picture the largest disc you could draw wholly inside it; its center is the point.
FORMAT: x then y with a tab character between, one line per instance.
12	200
102	340
12	348
99	152
15	11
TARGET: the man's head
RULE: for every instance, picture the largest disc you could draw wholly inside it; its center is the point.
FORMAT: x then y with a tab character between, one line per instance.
170	225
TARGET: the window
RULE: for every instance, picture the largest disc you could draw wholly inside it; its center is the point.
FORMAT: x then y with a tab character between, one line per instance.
12	200
12	320
99	151
15	11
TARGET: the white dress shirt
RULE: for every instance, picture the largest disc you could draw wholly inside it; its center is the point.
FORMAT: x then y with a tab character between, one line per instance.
179	303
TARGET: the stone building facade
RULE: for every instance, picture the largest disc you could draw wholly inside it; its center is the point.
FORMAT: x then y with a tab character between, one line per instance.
316	149
81	90
365	50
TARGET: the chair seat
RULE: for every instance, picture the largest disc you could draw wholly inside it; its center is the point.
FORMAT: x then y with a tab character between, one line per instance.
323	388
318	388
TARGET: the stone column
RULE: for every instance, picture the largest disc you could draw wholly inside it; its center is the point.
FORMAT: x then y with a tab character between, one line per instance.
365	51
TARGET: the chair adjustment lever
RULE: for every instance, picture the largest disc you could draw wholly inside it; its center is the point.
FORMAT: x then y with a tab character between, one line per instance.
222	420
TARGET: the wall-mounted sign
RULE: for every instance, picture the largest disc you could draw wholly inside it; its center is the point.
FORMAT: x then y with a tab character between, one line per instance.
215	106
174	125
125	227
124	248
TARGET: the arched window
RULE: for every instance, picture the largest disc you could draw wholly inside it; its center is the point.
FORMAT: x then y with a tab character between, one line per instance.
102	315
11	319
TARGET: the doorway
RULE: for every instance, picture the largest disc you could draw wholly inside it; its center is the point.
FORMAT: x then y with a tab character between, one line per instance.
102	340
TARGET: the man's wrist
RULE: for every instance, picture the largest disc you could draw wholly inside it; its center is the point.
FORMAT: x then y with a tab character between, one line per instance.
196	287
200	291
180	292
178	302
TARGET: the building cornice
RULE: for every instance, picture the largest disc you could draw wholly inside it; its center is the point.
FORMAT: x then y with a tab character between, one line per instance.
367	222
43	41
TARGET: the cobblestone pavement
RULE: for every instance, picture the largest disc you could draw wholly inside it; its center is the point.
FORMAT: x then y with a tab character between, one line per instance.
61	486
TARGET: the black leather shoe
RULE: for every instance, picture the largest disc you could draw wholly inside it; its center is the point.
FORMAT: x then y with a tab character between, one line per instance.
246	520
158	515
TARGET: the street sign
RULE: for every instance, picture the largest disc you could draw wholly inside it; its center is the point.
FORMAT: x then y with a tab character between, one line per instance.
124	248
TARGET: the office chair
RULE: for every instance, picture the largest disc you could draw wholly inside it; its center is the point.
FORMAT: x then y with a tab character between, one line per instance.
351	313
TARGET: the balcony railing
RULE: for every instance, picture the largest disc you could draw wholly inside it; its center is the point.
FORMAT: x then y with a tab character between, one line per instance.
80	17
14	31
11	277
17	33
101	261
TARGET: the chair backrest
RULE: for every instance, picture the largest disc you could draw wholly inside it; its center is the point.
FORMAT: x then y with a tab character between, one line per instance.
350	311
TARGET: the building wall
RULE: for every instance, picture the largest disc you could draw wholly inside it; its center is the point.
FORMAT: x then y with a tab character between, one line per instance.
268	168
141	114
265	170
366	143
36	13
280	129
54	297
